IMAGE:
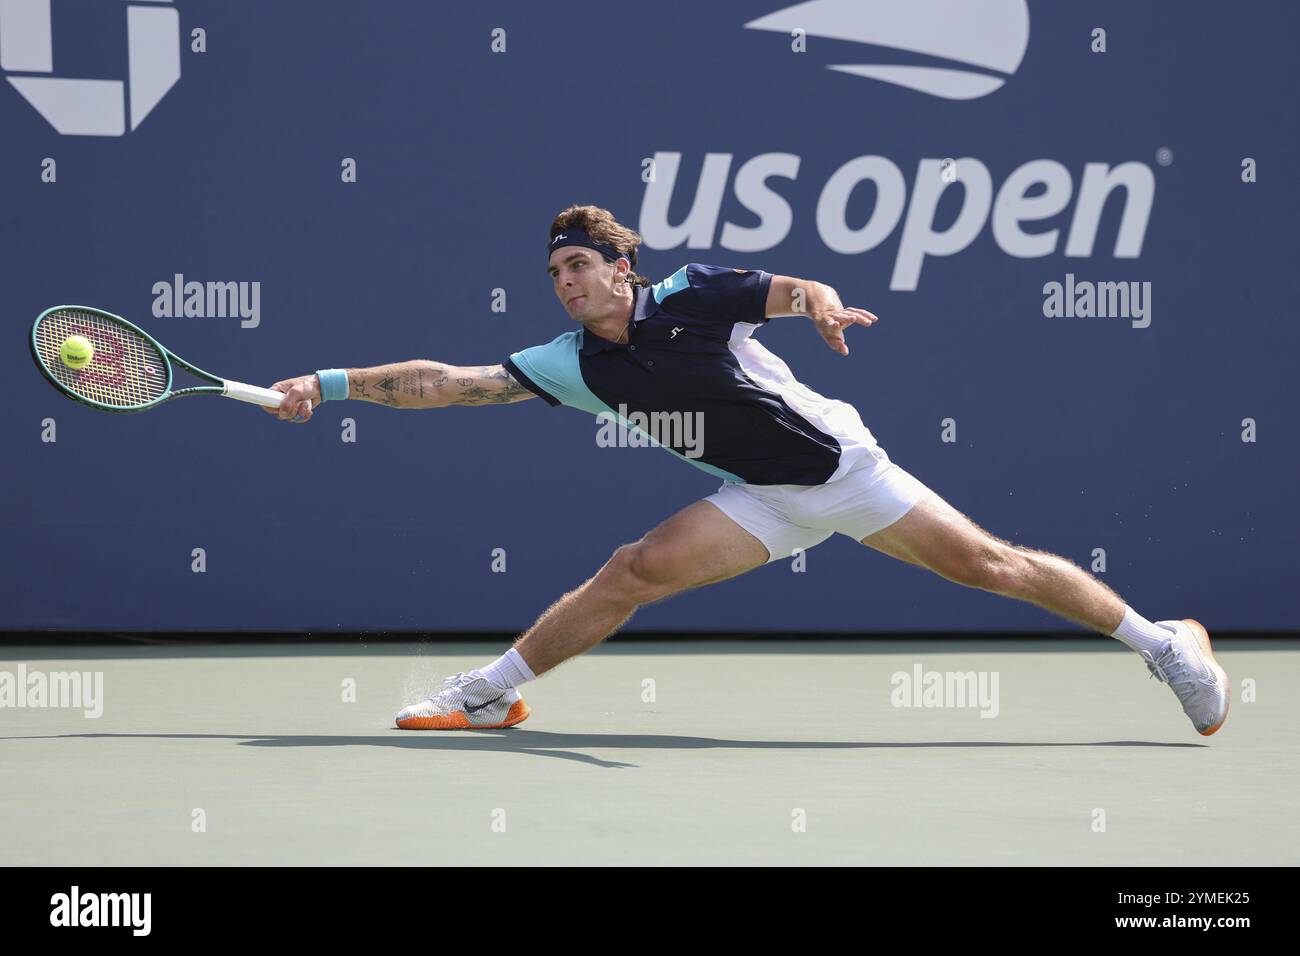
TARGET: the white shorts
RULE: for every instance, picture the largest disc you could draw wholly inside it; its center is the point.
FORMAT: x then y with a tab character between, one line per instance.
860	502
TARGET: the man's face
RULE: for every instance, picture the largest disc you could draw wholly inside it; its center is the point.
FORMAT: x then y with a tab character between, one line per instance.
584	282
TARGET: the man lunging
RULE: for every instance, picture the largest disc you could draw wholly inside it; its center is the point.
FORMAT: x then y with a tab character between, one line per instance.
796	467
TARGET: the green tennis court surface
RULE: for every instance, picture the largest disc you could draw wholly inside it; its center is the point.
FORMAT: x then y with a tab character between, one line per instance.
651	753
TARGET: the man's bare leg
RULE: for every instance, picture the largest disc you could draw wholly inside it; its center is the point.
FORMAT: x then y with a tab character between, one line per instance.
937	536
699	545
696	546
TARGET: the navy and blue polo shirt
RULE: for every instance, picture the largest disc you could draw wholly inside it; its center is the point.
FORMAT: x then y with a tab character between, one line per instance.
690	351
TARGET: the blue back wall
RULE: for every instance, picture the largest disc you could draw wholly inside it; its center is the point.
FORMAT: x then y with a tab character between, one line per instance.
1072	434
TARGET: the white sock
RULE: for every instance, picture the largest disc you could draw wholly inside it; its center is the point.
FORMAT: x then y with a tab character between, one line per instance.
508	670
1140	634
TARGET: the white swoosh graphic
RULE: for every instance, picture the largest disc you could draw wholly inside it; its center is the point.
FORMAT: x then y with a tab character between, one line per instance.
991	34
950	84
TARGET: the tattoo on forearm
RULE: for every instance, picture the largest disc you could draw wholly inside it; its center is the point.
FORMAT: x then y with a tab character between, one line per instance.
491	388
413	382
409	385
388	385
510	389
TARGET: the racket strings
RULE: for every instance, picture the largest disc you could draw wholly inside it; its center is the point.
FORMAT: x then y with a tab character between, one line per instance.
127	370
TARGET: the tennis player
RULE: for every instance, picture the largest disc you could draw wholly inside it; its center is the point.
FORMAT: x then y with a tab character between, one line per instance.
795	467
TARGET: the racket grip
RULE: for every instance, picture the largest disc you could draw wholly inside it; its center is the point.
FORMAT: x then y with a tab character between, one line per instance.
266	397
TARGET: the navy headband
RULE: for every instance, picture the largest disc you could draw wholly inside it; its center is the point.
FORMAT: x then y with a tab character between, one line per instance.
579	237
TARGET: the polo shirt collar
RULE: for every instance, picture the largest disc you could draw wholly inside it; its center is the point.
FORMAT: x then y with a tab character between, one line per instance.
643	304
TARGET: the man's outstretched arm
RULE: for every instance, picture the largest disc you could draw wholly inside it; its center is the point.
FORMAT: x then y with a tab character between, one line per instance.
419	383
790	296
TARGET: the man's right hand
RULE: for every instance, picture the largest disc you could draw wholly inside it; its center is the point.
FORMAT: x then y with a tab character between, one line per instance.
301	396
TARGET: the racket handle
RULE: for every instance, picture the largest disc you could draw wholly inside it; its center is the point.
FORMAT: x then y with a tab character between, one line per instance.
266	397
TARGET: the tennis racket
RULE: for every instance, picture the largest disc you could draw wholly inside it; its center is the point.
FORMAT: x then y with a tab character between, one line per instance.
129	371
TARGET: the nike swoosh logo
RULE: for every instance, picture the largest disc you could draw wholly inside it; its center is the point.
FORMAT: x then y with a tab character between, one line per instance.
471	709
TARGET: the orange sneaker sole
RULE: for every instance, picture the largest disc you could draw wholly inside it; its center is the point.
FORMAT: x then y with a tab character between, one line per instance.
519	712
1203	638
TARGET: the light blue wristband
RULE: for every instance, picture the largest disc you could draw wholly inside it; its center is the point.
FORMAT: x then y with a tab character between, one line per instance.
333	384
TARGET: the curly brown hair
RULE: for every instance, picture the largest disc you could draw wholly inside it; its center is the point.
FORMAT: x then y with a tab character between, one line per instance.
601	225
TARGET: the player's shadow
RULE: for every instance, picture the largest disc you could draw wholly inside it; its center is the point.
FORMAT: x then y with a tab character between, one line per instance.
544	744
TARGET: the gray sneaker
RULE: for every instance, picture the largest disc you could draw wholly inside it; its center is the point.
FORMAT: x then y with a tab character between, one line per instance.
1188	666
466	702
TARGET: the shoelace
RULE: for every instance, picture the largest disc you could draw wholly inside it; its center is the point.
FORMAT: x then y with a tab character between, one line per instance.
1160	669
450	683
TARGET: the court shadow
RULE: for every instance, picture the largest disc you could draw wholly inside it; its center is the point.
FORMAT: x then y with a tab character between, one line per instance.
568	746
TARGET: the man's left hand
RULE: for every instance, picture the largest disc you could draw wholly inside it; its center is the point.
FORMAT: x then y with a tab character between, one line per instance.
831	323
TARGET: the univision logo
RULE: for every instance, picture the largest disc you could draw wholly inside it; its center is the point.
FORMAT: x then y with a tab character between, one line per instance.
991	35
84	107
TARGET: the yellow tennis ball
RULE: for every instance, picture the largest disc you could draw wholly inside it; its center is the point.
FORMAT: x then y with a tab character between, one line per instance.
77	351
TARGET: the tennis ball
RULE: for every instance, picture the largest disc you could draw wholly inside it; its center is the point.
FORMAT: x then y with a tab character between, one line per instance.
77	351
